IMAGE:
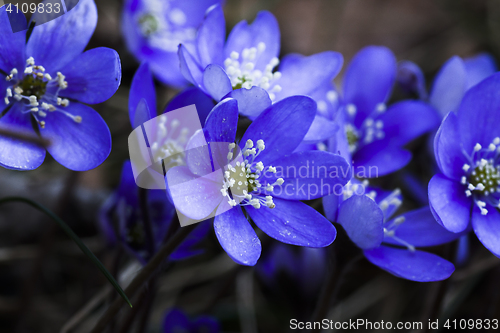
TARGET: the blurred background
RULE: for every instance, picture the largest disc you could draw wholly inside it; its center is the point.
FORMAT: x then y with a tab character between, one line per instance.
47	284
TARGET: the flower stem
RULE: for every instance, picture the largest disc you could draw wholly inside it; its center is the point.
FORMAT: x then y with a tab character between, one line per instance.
144	275
146	220
73	236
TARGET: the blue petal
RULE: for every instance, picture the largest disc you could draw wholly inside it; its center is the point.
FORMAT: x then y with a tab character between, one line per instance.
165	67
321	129
195	197
176	321
421	229
237	237
141	114
308	175
369	79
479	114
381	158
294	222
487	228
463	250
263	29
220	130
416	187
94	76
77	146
302	75
11	44
282	127
479	68
222	122
331	206
363	221
195	10
450	205
17	154
190	246
449	86
203	103
142	88
190	68
411	78
448	149
339	144
211	37
251	102
216	82
328	100
415	266
55	43
407	120
197	154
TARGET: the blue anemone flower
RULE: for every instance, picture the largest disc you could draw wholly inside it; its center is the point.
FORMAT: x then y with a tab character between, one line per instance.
372	133
47	81
177	321
165	138
265	180
123	205
153	29
467	148
390	242
244	66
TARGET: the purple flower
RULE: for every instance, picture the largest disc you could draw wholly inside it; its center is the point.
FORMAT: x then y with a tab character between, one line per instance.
153	29
390	242
264	180
124	205
176	321
372	133
466	193
244	66
166	136
47	81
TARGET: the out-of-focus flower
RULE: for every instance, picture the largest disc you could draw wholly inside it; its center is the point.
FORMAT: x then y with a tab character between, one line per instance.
372	133
266	179
176	321
368	222
244	66
153	30
47	80
467	147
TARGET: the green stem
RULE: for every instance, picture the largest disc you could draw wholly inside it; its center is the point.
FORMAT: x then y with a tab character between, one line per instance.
74	237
